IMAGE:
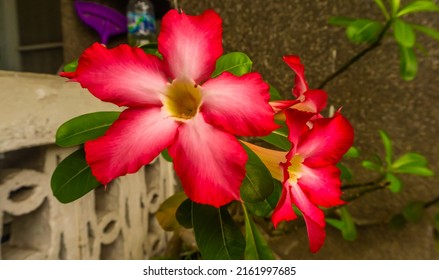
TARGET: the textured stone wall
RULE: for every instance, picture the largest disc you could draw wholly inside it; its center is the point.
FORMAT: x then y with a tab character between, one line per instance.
373	97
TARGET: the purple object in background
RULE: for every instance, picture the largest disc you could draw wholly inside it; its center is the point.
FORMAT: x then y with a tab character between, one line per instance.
106	21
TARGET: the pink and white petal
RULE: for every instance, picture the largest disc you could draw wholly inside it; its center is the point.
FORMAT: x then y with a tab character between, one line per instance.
124	75
316	234
238	105
133	140
284	209
296	121
327	141
301	200
190	45
300	84
209	162
313	101
322	185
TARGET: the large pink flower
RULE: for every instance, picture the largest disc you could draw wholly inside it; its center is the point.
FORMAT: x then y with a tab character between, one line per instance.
173	103
308	173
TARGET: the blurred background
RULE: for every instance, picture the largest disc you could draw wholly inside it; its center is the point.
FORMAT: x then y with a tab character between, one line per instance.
41	36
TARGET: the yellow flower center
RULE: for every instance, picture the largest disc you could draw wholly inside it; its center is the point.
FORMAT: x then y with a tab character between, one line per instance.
182	99
295	169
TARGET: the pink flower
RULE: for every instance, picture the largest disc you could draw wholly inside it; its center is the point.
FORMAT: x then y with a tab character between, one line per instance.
308	173
173	103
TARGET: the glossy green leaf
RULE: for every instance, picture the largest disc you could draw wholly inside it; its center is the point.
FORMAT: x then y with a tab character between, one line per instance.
363	31
410	160
341	21
166	214
338	224
387	147
256	247
258	183
404	33
71	67
409	63
394	4
166	156
353	152
415	170
278	140
216	234
184	214
85	127
418	6
266	207
274	94
152	48
237	63
433	33
383	8
349	230
371	165
72	178
413	211
395	185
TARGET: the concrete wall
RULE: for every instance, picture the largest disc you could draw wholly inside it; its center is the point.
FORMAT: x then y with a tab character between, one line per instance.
373	97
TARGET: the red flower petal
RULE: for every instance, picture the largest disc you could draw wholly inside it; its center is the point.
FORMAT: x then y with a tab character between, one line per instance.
124	75
322	185
209	162
316	234
190	45
238	105
284	208
296	121
136	138
327	142
300	85
314	101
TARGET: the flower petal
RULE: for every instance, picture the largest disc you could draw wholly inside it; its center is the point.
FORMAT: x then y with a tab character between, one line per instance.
284	209
327	141
322	185
296	121
238	105
300	85
190	45
314	217
136	138
209	162
313	101
123	75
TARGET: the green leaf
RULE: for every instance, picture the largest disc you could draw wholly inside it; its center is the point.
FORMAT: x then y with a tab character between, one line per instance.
404	34
418	6
338	224
363	31
371	165
274	94
397	222
413	211
83	128
216	234
184	214
409	64
349	230
237	63
382	7
387	147
166	155
410	160
266	207
71	67
341	21
258	183
72	178
395	185
353	152
415	170
395	6
346	173
166	214
433	33
278	140
152	48
256	247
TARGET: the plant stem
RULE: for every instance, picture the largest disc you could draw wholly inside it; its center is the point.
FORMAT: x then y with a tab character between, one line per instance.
357	57
361	185
431	202
366	191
